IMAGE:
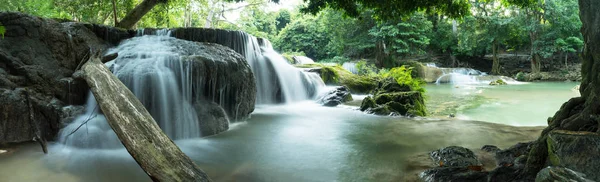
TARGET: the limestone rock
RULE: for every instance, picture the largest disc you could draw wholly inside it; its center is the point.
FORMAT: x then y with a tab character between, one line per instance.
335	97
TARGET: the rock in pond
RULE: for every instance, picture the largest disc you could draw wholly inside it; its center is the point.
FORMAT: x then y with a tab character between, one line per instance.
335	97
454	156
455	164
579	151
498	82
391	98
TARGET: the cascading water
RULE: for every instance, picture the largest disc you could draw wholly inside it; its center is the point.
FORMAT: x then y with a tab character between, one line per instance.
303	60
351	67
152	70
276	80
469	76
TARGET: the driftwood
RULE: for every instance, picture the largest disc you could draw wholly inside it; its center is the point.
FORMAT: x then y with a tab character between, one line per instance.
37	134
152	149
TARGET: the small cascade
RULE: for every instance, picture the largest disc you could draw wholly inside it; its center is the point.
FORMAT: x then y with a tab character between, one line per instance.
351	67
469	76
303	60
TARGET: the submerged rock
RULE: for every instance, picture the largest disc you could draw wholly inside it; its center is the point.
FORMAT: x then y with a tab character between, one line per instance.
552	174
579	151
213	119
336	97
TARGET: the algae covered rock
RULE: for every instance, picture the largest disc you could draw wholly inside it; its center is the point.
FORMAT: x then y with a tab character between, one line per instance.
553	173
498	82
392	98
579	151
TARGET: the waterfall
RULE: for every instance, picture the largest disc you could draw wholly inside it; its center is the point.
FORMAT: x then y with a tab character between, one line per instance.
351	67
276	80
154	67
151	68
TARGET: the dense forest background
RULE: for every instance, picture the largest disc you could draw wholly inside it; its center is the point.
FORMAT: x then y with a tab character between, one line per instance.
545	31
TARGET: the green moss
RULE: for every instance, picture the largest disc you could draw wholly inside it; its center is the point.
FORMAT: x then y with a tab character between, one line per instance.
418	70
367	103
405	103
316	65
498	82
520	76
554	160
330	75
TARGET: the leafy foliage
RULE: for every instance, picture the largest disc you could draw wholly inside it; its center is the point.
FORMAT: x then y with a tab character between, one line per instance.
2	30
403	75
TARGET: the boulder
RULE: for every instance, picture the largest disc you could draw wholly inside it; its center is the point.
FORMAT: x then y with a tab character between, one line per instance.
552	174
454	156
335	97
579	151
498	82
213	119
440	174
38	57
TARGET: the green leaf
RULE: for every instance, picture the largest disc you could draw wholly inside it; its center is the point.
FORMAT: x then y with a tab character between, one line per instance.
2	31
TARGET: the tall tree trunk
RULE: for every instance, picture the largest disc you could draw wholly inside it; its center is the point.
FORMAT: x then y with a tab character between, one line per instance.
380	54
535	57
495	60
137	13
580	113
566	59
152	149
115	11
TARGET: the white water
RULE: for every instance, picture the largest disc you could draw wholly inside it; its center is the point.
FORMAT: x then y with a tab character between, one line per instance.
303	60
469	76
351	67
275	77
150	67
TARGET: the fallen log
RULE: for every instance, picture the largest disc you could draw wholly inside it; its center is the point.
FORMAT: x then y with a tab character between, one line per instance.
152	149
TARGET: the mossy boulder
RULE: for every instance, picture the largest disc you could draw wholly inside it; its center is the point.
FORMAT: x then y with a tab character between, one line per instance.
337	75
498	82
402	103
579	151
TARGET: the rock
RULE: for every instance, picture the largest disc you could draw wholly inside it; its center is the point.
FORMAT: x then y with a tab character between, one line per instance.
213	119
440	174
579	151
553	173
498	82
336	97
38	56
454	156
490	148
510	155
391	98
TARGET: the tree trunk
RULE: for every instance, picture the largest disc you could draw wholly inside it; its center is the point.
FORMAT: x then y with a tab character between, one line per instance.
581	113
156	153
495	61
566	59
137	13
115	11
380	54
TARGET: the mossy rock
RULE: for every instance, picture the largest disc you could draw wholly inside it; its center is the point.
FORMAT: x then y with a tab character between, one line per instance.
404	103
418	69
498	82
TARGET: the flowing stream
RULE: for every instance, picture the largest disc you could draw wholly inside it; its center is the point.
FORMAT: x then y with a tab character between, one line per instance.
296	141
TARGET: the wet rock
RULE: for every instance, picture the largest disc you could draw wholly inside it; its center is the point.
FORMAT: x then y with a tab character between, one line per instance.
579	151
443	174
336	97
498	82
391	98
213	119
38	56
510	155
552	174
454	156
490	148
